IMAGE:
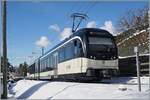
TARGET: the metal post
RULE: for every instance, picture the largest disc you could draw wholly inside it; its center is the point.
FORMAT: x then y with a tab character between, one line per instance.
34	71
38	69
138	67
1	75
42	51
149	55
4	96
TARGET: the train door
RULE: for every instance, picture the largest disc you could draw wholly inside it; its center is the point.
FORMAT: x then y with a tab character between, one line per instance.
55	64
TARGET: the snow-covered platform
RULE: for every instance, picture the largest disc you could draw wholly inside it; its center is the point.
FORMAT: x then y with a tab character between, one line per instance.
117	88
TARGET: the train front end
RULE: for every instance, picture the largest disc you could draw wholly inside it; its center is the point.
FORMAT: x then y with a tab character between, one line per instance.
101	54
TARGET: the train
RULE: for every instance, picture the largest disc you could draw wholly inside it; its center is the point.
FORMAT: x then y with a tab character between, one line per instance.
88	53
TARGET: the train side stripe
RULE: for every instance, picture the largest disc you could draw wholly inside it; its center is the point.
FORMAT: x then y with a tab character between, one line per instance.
76	37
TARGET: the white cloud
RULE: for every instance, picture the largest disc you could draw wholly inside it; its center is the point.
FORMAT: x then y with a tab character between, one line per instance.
54	27
43	42
65	33
109	27
91	24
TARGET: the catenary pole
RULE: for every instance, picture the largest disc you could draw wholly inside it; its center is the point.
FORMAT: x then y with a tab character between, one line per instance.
42	51
138	67
4	8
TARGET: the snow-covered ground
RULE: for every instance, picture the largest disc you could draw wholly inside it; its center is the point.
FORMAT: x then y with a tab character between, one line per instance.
117	88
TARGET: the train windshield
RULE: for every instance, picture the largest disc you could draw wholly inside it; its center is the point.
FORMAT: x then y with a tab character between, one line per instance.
101	48
100	40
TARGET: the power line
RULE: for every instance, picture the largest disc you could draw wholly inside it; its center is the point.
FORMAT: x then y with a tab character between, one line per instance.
80	16
90	7
81	8
71	10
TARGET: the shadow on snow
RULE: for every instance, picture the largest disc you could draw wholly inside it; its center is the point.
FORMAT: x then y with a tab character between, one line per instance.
31	90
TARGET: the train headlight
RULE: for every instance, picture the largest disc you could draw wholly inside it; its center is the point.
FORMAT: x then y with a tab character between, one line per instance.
114	57
90	56
111	58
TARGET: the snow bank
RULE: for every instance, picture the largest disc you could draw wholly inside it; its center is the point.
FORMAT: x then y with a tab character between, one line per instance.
122	87
29	89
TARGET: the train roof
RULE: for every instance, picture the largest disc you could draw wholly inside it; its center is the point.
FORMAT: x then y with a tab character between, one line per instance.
81	32
101	32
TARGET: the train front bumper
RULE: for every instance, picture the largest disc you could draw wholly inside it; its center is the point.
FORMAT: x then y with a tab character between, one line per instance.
100	64
99	67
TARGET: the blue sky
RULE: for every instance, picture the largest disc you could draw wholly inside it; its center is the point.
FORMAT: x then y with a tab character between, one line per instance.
27	22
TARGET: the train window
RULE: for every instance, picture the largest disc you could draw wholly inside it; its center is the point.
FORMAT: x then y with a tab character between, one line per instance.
75	50
49	60
69	51
80	45
53	59
100	40
75	43
61	54
40	65
75	47
46	62
43	65
78	48
66	52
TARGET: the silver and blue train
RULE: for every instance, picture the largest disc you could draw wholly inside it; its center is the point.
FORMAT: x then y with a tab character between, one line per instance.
89	52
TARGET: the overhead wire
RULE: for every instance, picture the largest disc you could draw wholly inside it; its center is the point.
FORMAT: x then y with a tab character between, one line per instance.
90	7
81	8
85	11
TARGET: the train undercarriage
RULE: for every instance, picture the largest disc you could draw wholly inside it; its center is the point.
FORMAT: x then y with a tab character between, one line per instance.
91	75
